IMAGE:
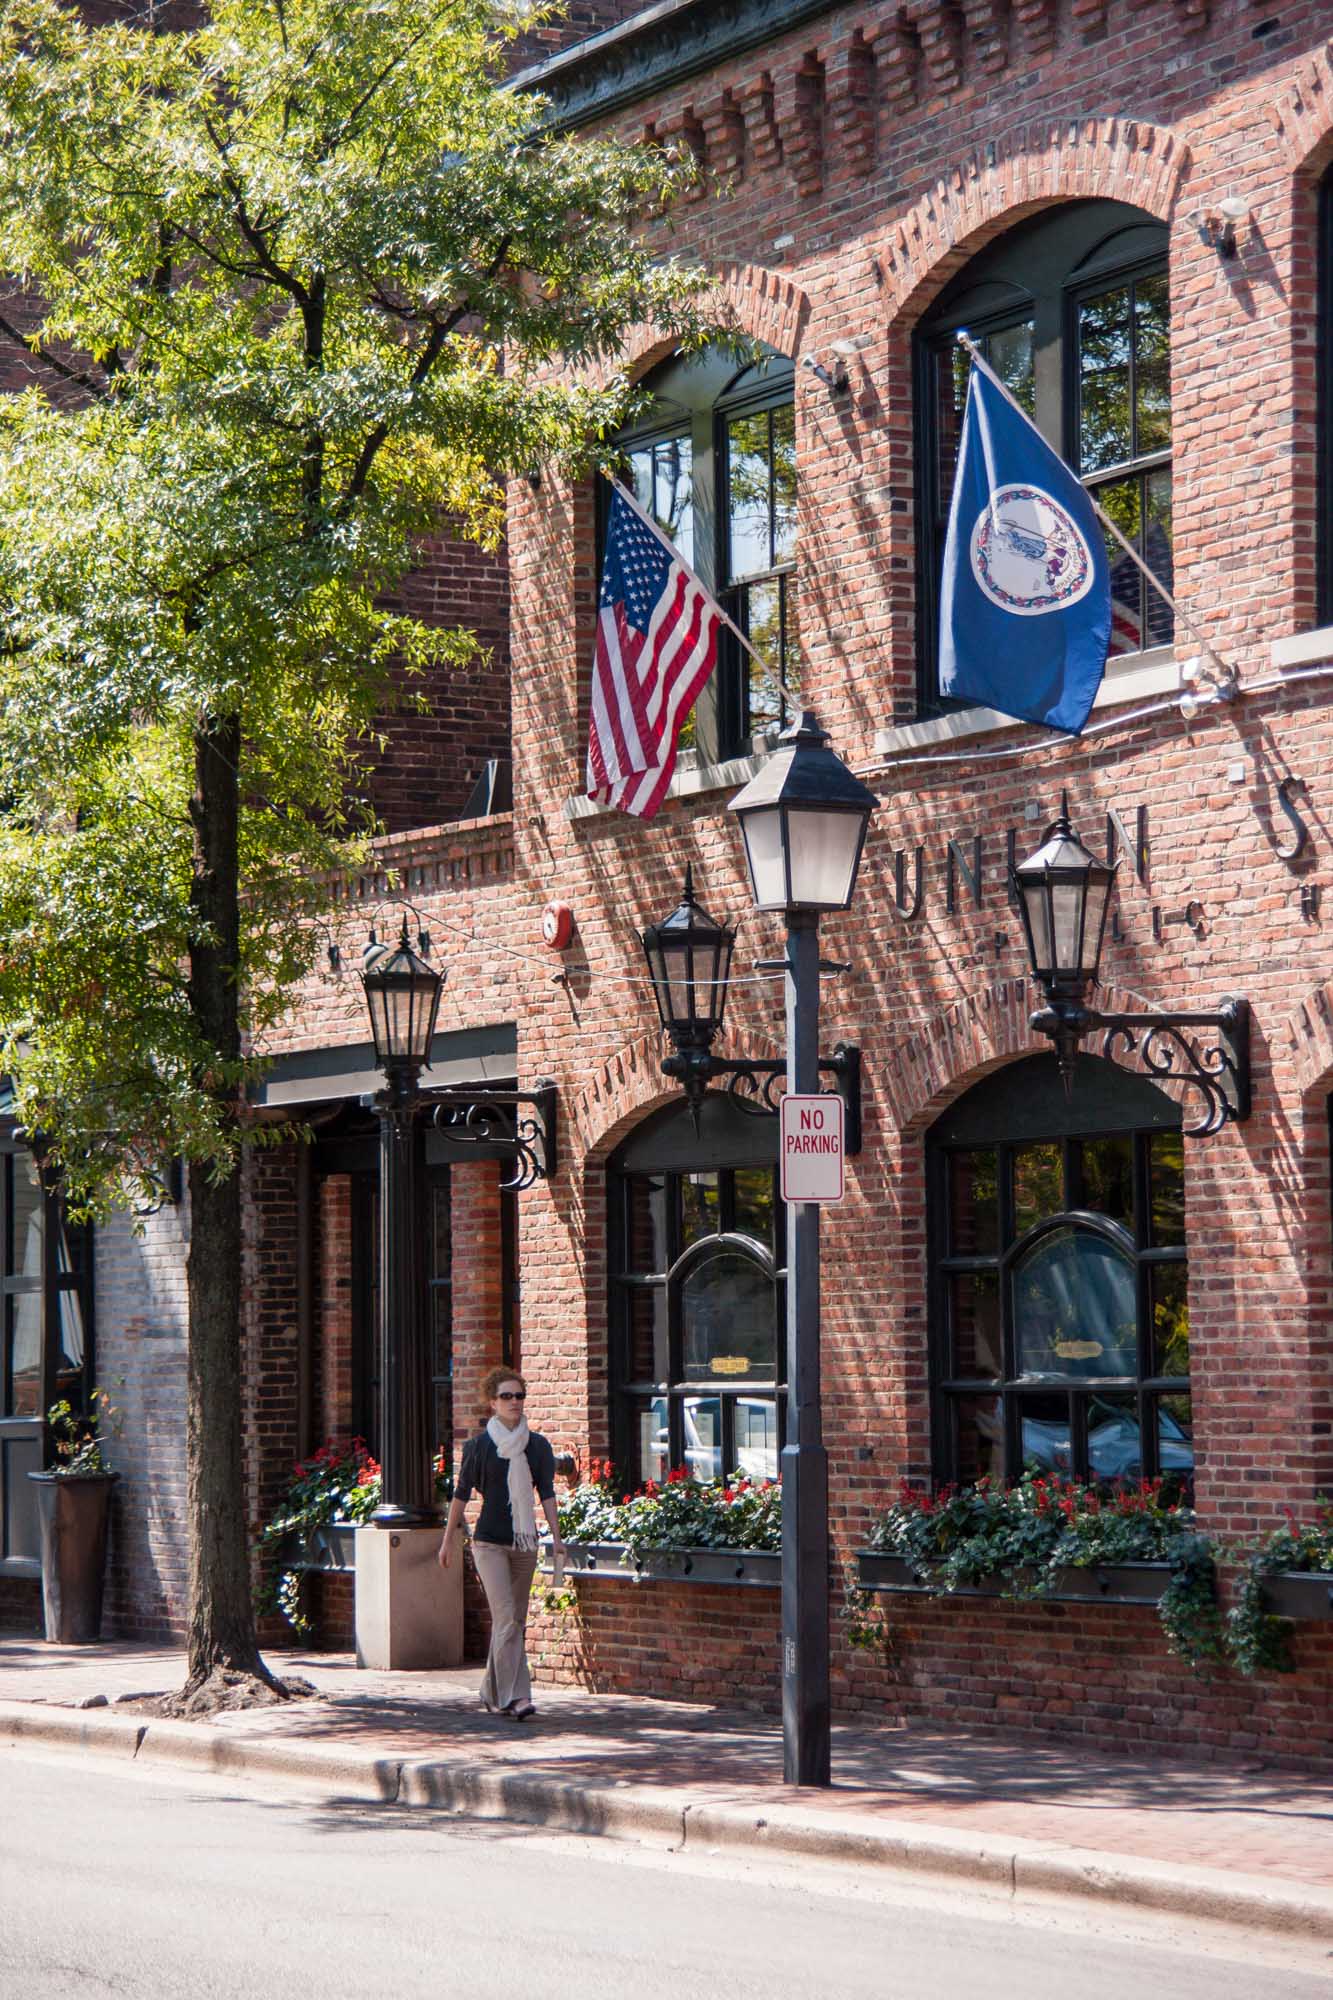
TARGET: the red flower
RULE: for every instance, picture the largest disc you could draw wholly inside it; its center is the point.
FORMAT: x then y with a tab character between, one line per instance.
728	1493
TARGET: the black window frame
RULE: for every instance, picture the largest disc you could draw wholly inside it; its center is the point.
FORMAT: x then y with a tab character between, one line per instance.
25	1440
722	715
76	1276
667	1149
1072	252
1020	1109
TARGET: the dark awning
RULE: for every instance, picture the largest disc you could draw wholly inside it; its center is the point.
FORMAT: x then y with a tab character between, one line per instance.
331	1076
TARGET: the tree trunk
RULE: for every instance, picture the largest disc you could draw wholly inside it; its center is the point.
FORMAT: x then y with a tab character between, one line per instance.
222	1636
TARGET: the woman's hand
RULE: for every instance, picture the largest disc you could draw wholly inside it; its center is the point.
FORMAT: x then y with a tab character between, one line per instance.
445	1553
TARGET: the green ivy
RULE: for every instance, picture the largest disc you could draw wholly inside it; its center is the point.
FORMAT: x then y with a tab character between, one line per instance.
339	1487
1259	1641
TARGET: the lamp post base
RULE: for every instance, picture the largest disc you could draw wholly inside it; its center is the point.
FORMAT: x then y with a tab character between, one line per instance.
409	1611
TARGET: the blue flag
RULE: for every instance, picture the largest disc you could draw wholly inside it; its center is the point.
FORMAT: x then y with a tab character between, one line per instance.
1025	603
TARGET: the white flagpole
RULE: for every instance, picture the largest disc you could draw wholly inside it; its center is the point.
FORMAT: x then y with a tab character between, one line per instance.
1227	674
788	700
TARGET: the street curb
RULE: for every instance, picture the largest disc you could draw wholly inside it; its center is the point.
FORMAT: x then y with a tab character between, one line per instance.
1008	1863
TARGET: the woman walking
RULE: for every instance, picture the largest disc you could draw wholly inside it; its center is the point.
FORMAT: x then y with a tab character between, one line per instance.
511	1467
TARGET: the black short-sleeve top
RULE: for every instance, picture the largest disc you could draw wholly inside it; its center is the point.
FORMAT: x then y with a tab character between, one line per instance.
484	1471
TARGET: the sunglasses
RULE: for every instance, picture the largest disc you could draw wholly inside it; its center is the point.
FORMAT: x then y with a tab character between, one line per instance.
511	1396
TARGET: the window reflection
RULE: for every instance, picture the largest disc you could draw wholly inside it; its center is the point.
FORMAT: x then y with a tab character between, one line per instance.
756	1437
43	1325
1075	1307
703	1437
761	546
1039	1184
974	1318
654	1440
660	473
727	1319
1045	1438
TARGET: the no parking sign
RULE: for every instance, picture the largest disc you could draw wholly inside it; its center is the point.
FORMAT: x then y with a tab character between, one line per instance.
811	1145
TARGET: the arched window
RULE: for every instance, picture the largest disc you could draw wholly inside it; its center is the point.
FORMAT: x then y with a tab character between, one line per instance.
696	1248
1072	312
714	461
1059	1308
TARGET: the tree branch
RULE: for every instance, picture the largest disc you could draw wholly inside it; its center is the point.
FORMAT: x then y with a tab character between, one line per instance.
430	354
39	354
250	230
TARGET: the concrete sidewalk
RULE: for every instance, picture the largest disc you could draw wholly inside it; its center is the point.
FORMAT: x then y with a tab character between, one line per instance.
1231	1842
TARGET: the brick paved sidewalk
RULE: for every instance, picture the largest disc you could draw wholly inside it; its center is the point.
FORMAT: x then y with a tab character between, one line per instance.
1236	1817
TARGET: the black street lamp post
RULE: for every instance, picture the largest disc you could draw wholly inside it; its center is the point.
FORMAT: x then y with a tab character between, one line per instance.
403	998
804	819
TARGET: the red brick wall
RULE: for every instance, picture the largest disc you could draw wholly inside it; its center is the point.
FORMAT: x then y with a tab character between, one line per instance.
451	719
333	1345
270	1361
692	1642
20	1604
889	155
474	1198
1056	1669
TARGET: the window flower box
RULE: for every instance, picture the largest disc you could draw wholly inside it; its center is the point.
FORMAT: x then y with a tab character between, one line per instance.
730	1566
1101	1583
1298	1593
327	1549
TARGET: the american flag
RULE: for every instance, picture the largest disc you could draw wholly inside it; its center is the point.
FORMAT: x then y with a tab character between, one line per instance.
657	633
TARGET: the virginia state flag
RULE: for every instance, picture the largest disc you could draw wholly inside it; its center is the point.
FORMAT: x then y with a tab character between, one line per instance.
1025	603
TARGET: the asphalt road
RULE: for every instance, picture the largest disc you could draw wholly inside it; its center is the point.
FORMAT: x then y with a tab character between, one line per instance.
121	1882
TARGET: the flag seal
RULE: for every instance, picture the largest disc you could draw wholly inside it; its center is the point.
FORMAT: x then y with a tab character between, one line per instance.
1028	555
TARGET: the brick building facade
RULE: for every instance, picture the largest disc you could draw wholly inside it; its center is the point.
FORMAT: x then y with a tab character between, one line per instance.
869	173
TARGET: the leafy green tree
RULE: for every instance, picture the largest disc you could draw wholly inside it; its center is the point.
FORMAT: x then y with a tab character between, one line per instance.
291	286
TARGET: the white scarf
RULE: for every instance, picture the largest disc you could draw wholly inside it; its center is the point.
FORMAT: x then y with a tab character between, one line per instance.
512	1447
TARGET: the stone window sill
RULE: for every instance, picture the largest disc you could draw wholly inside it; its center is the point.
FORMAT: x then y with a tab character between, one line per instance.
1151	673
1304	649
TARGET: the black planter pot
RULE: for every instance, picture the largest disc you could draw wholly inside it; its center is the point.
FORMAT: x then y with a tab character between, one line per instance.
1106	1583
73	1515
328	1550
1299	1593
732	1566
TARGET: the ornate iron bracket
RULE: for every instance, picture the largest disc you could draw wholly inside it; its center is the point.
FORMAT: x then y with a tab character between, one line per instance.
1216	1066
755	1086
497	1119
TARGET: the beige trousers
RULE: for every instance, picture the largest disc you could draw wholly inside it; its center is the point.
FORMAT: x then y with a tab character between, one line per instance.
506	1577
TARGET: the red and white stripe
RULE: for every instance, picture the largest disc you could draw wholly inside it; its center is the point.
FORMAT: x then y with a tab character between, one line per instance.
644	686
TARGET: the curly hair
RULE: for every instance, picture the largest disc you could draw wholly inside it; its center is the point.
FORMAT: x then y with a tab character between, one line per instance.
490	1382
